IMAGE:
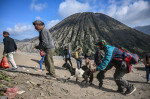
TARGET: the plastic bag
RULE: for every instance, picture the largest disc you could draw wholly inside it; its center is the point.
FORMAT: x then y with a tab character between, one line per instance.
4	63
42	53
11	92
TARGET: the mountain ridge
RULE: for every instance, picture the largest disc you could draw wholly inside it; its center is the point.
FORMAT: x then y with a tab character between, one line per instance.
85	29
98	26
144	29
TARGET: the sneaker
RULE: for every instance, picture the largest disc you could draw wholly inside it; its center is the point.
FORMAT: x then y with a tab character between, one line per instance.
100	85
14	69
48	74
130	91
40	70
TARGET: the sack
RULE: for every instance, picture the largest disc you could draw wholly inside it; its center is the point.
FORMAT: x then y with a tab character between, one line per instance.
76	56
131	58
4	63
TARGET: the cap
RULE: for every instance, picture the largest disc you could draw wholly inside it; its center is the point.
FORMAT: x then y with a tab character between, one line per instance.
5	33
101	43
38	22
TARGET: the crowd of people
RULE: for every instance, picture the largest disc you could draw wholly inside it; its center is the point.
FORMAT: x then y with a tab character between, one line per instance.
113	56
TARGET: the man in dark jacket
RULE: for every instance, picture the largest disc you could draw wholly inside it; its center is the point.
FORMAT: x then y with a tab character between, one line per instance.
109	60
46	43
9	48
97	60
67	55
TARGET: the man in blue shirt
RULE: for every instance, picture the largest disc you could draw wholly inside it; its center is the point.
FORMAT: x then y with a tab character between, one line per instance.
121	66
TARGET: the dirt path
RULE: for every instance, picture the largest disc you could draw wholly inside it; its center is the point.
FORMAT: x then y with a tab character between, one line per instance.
37	86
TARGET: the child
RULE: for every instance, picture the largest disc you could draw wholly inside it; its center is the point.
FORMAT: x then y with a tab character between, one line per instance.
42	59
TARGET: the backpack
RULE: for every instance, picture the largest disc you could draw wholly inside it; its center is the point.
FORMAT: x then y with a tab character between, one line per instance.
131	58
76	56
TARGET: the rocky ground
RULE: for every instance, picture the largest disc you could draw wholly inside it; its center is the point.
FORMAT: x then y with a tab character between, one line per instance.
37	86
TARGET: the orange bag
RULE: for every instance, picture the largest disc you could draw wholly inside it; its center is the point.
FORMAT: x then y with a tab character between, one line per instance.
4	63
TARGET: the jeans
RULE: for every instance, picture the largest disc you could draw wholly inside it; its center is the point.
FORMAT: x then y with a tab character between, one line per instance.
41	61
79	63
11	59
147	73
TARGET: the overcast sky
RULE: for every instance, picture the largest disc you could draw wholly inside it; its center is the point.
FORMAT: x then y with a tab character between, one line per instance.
16	16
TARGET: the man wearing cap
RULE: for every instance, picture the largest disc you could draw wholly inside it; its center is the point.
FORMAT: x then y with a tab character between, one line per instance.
121	67
9	48
46	43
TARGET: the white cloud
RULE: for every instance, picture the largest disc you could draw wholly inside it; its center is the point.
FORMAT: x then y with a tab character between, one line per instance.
22	31
69	7
38	18
37	6
52	23
130	12
20	28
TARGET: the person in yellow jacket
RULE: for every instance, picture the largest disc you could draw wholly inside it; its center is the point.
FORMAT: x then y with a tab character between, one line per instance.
78	56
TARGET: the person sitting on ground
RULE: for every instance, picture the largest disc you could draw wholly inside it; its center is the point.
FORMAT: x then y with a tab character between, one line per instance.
10	48
119	59
146	62
87	57
67	55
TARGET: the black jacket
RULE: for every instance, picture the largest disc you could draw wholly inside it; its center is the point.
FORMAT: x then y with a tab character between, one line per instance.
9	44
98	57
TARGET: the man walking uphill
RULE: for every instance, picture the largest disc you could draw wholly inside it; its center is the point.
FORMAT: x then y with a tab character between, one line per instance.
122	62
9	48
46	43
